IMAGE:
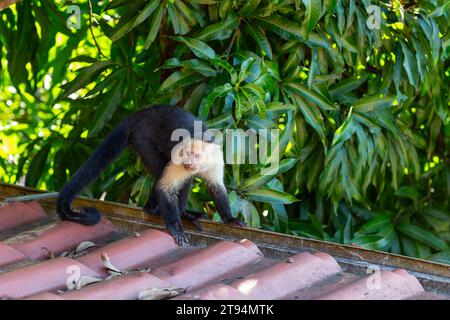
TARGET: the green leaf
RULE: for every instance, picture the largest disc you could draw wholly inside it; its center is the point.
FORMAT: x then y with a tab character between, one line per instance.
441	257
186	12
313	69
310	95
422	235
407	192
219	31
154	28
228	67
347	85
375	224
219	91
105	113
410	65
249	7
86	76
313	11
200	66
249	211
260	38
199	48
238	110
279	108
440	10
225	6
374	242
368	104
285	28
141	189
246	67
138	19
270	196
365	240
179	79
36	166
259	179
313	117
221	121
345	131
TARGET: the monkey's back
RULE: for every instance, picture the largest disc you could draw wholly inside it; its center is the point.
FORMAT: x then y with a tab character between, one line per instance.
158	122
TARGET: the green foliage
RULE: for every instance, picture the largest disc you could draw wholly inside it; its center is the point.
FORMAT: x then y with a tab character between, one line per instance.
363	112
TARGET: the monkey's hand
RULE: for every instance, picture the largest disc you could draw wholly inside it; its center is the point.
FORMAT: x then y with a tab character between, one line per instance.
193	217
179	236
236	222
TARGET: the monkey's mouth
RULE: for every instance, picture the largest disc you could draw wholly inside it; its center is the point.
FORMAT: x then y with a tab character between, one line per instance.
190	168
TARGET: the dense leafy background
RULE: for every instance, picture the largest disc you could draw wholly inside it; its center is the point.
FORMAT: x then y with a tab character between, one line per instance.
363	113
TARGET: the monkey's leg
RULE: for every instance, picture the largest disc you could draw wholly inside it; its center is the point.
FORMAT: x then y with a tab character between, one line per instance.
220	197
152	206
155	163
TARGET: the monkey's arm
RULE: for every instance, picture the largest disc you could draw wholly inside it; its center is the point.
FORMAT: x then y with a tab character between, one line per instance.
166	192
189	215
168	206
183	195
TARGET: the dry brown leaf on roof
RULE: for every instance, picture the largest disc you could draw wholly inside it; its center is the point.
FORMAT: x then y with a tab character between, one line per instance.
86	280
108	264
51	255
156	293
83	246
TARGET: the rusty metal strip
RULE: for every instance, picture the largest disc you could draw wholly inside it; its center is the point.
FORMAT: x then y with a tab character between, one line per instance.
134	219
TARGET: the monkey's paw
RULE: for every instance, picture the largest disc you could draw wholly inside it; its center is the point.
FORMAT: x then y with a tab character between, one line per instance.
236	222
179	236
193	217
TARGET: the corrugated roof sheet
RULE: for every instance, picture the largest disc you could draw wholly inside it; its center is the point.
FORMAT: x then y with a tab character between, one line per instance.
37	261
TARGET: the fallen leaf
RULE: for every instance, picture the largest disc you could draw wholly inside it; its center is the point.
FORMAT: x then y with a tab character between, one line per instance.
108	264
84	246
156	293
85	280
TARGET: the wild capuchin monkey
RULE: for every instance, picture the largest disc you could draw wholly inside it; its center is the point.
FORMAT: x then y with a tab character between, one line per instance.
173	164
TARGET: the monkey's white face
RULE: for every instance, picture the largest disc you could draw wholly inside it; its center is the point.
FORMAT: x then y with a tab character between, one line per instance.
198	156
192	160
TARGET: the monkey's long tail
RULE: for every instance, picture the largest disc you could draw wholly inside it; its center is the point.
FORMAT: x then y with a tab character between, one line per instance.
110	148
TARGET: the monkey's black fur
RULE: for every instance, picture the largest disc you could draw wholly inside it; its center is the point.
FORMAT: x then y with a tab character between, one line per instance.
148	132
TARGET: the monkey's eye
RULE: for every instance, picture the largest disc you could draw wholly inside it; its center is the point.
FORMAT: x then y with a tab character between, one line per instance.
197	155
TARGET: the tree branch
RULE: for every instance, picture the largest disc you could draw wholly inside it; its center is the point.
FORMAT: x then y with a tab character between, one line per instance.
92	31
6	3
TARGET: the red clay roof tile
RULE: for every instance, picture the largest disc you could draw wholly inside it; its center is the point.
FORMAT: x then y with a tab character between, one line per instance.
44	296
126	287
277	281
17	213
301	271
65	235
217	291
9	255
383	285
207	273
45	276
208	264
131	252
